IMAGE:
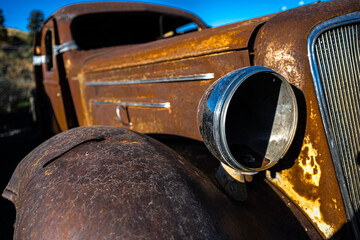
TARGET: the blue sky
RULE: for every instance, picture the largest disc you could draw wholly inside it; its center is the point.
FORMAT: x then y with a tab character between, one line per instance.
213	12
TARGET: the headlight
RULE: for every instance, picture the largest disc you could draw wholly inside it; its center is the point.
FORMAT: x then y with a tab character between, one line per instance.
248	118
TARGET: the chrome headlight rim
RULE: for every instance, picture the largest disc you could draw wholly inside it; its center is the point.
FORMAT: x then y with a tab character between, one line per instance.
225	88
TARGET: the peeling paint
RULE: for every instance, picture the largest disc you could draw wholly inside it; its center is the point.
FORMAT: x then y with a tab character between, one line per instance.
311	207
308	162
50	169
309	165
313	116
285	60
128	142
335	204
44	155
81	80
68	64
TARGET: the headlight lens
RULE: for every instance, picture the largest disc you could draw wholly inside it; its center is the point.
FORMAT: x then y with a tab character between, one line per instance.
248	118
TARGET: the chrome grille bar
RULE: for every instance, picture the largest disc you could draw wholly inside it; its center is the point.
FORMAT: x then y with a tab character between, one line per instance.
334	55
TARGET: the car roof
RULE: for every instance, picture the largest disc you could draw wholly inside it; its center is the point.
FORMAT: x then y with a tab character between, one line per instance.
69	12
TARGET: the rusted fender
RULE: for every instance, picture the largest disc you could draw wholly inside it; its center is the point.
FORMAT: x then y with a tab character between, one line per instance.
110	183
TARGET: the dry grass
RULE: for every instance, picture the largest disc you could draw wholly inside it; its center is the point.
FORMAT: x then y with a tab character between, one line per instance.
16	73
13	32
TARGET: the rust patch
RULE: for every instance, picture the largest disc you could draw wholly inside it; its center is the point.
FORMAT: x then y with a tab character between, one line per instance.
86	120
313	116
37	162
125	141
311	207
50	169
310	175
309	165
285	61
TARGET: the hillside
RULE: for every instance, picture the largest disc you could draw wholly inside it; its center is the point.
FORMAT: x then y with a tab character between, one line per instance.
16	72
15	37
13	32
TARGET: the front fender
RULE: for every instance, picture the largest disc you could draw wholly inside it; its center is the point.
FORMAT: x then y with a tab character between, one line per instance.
113	183
109	183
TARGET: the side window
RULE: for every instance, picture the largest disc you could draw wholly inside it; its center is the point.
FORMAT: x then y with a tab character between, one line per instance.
190	27
99	30
49	51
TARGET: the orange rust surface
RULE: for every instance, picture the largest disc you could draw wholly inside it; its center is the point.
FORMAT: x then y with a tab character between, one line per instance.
65	15
310	181
184	97
225	38
51	82
88	179
76	96
147	60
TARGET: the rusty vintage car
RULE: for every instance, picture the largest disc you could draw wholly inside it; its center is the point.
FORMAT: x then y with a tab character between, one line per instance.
175	130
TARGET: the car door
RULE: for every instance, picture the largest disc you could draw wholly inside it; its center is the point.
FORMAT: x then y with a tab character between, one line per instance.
50	74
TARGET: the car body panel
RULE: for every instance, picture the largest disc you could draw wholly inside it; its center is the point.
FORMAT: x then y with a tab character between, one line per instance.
122	184
156	60
311	182
155	88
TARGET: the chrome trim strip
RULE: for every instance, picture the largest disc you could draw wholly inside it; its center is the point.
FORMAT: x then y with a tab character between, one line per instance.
39	60
314	34
65	47
133	104
206	76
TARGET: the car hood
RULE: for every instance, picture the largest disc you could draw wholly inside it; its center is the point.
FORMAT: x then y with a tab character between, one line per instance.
209	41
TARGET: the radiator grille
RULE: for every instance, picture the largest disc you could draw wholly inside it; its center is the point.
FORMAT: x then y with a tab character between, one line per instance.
337	56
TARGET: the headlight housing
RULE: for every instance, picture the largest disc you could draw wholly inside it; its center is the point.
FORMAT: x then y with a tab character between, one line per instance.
248	118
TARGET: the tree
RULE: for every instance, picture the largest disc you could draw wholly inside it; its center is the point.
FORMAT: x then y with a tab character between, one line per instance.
3	30
2	18
35	20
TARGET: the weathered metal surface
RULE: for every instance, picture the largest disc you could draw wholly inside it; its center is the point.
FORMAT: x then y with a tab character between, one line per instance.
300	216
183	97
66	14
63	18
343	133
107	183
310	181
50	79
156	59
112	183
209	41
306	174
